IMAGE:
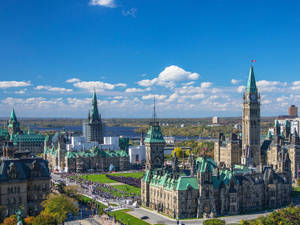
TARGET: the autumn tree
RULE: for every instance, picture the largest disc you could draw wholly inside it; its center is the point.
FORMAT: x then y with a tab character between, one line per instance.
58	206
72	190
29	220
12	220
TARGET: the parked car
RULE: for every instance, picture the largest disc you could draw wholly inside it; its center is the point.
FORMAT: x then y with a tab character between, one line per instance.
144	217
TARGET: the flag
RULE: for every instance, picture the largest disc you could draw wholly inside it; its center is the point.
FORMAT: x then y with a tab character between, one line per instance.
253	60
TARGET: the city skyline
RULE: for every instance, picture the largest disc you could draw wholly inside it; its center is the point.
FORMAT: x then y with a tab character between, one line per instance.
193	57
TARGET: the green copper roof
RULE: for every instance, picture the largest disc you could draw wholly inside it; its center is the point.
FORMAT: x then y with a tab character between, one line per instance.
154	134
71	155
184	182
251	85
27	138
203	163
13	116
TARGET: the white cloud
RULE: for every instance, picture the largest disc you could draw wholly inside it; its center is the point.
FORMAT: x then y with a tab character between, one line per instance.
159	97
9	84
130	12
234	81
169	77
104	3
53	89
206	84
241	88
134	90
97	85
21	91
72	80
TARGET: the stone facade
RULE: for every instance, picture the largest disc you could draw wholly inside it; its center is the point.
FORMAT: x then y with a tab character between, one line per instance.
24	183
22	141
95	159
208	191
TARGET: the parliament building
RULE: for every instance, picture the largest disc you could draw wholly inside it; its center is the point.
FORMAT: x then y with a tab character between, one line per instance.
239	179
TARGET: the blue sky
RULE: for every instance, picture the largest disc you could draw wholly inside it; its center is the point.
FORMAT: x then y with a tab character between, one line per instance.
193	55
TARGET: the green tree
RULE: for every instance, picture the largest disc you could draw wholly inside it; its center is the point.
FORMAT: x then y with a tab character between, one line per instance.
72	190
58	206
44	219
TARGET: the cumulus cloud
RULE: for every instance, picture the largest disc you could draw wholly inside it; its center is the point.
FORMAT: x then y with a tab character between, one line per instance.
10	84
21	91
169	77
234	81
104	3
241	88
53	89
159	97
72	80
206	84
97	85
270	86
135	90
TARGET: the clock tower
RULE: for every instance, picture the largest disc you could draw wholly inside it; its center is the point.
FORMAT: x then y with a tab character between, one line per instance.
251	119
154	143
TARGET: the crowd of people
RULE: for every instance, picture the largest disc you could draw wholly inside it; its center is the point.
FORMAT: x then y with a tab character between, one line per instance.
126	180
103	191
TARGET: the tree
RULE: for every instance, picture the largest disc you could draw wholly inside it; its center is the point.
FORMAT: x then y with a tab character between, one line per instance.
58	206
12	220
44	219
178	151
29	220
72	190
214	222
298	181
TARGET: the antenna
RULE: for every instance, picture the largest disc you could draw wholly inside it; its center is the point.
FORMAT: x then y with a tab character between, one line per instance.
154	117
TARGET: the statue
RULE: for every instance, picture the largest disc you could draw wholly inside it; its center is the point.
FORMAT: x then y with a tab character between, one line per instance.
19	217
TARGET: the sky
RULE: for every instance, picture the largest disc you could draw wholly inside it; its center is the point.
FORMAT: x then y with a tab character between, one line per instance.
193	56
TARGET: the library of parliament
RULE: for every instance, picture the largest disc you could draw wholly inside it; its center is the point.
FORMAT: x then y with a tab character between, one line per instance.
244	175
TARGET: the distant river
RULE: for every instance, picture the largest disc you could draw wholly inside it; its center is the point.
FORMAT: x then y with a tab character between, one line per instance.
112	131
109	131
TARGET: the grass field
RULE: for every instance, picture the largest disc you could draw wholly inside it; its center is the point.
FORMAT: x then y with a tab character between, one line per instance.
127	219
129	189
100	178
134	175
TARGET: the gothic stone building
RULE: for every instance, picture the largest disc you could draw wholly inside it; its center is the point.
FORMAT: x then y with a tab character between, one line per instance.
93	127
249	149
95	159
24	182
231	152
22	141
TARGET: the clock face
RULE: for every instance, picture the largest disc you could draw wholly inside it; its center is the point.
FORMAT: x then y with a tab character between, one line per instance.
253	97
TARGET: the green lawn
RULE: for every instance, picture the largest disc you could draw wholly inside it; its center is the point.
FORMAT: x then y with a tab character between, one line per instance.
127	219
100	178
134	175
129	189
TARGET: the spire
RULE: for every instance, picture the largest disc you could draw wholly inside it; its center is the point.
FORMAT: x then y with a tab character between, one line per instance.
13	115
154	117
94	115
251	85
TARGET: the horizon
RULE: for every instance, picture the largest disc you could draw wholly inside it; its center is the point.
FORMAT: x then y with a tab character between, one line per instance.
193	57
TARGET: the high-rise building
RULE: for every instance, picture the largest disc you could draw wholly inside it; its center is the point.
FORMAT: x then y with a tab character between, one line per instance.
251	119
293	111
93	128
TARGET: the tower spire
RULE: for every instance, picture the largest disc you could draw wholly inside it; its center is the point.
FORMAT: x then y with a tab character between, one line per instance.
154	116
251	85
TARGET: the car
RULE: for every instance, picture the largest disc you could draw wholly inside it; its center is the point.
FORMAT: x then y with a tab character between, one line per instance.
144	217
